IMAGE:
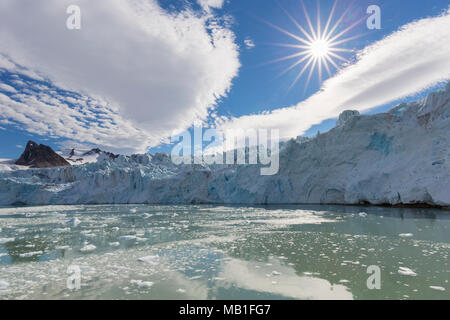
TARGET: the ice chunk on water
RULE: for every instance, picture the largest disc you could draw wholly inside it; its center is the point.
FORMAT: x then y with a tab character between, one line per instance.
363	214
142	284
181	291
88	248
127	238
30	254
406	235
406	272
437	288
3	285
61	230
62	248
150	260
74	222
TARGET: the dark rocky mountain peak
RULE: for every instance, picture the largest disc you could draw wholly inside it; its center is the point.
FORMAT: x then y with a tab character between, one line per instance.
40	156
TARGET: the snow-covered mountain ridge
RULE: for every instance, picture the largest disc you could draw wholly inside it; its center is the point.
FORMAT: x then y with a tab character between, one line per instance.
398	157
81	156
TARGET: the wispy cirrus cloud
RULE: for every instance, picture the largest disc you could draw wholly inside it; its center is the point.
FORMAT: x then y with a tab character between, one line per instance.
408	61
155	71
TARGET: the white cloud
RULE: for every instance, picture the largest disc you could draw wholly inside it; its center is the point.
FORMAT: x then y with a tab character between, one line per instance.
19	146
50	112
408	61
249	43
207	4
161	70
8	88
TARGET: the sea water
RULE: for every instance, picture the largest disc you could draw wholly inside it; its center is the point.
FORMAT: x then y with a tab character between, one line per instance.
219	252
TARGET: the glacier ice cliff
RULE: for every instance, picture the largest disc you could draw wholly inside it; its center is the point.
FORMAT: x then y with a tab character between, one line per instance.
398	157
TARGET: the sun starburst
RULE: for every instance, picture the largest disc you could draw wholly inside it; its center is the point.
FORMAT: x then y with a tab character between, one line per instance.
318	47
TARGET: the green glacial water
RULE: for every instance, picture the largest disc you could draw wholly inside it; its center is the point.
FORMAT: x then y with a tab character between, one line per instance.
217	252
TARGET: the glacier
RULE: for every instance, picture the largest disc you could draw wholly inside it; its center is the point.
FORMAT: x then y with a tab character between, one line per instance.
400	157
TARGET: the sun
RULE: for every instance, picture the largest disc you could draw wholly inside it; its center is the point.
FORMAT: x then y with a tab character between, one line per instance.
317	48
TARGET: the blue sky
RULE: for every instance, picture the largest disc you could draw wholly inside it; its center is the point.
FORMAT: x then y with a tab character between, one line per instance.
252	87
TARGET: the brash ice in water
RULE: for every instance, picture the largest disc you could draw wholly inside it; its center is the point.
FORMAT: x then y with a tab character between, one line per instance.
216	252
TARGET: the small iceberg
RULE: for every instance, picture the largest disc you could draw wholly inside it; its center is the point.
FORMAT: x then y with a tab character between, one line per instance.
406	235
61	230
363	214
30	254
74	222
437	288
153	260
127	238
142	284
406	272
88	248
3	285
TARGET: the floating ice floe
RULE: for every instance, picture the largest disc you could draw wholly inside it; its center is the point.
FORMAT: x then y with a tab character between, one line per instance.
142	284
88	234
150	260
114	244
62	248
363	214
30	254
61	230
3	285
181	290
406	235
406	272
6	240
127	238
74	222
437	288
88	248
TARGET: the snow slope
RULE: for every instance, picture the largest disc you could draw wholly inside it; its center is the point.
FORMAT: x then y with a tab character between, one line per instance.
398	157
9	165
83	156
